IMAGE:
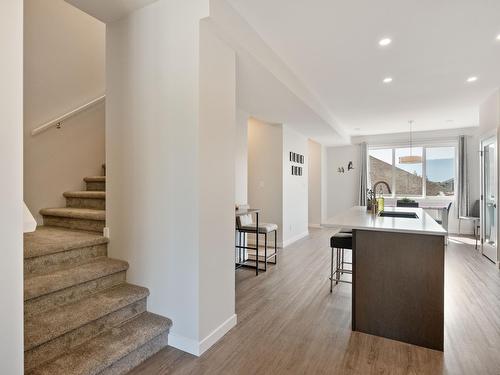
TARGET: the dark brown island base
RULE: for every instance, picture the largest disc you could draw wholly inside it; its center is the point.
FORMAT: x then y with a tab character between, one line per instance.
398	275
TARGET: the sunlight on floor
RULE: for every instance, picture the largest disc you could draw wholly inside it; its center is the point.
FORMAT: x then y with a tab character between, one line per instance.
462	240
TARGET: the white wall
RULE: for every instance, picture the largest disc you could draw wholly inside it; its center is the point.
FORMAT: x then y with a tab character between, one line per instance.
217	189
265	171
283	198
11	188
170	183
315	183
295	188
64	52
324	184
489	114
343	188
241	158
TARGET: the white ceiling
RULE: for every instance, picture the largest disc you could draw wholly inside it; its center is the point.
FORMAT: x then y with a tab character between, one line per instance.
332	46
257	88
109	10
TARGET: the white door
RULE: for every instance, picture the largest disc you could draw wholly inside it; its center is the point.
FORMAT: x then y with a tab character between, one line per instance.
489	199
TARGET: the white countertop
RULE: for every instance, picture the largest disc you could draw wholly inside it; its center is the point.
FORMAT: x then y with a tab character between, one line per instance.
358	218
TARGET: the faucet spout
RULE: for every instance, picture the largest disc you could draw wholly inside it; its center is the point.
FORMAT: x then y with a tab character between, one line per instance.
383	183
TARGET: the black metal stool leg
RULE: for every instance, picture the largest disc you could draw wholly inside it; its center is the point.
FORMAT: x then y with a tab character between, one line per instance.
275	247
241	244
265	251
342	259
337	276
331	272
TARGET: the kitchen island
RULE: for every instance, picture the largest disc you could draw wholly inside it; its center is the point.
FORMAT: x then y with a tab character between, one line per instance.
398	274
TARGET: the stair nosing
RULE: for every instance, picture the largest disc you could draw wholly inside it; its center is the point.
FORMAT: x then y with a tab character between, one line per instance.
46	250
101	311
64	272
85	194
156	326
75	213
95	179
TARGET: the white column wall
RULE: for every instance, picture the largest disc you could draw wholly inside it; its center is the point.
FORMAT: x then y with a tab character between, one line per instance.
152	146
11	188
216	188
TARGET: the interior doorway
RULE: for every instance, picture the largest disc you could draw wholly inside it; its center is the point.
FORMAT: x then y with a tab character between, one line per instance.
489	194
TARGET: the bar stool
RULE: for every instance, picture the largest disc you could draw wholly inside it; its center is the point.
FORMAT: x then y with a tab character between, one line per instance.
338	243
245	225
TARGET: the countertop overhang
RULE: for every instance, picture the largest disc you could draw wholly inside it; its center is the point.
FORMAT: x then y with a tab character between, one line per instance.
358	217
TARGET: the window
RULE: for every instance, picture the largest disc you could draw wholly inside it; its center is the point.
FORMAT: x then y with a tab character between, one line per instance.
409	177
380	165
440	171
433	176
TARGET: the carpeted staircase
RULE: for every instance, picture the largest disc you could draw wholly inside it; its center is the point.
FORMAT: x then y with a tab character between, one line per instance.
80	315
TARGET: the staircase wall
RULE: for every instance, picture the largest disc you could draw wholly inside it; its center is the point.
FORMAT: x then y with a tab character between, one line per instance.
11	202
64	68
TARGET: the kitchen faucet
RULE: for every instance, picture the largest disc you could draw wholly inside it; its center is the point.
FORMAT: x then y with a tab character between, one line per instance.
381	182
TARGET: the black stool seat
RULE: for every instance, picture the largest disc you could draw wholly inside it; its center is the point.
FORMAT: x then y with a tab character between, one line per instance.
345	231
341	241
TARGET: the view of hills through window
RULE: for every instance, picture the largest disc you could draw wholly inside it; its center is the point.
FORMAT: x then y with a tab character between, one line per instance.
408	179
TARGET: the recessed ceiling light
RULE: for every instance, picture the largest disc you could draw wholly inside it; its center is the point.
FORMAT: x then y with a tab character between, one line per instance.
498	37
385	42
472	79
387	80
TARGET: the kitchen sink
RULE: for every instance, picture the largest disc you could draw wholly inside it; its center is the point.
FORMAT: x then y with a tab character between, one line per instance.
402	214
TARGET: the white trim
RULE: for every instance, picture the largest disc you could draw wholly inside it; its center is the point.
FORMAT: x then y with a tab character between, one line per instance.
295	238
217	334
196	348
67	115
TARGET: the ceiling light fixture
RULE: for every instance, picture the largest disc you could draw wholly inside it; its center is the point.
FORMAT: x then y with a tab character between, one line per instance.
387	80
472	79
385	42
498	37
410	159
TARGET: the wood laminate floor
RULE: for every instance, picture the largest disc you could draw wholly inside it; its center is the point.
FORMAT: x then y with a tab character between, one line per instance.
289	323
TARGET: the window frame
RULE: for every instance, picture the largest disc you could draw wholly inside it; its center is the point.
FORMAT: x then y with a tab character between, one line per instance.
425	146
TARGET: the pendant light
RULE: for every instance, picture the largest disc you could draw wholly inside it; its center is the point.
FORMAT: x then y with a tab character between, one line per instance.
410	159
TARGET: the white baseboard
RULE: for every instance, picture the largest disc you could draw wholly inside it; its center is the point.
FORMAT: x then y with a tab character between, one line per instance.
217	334
295	238
198	348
